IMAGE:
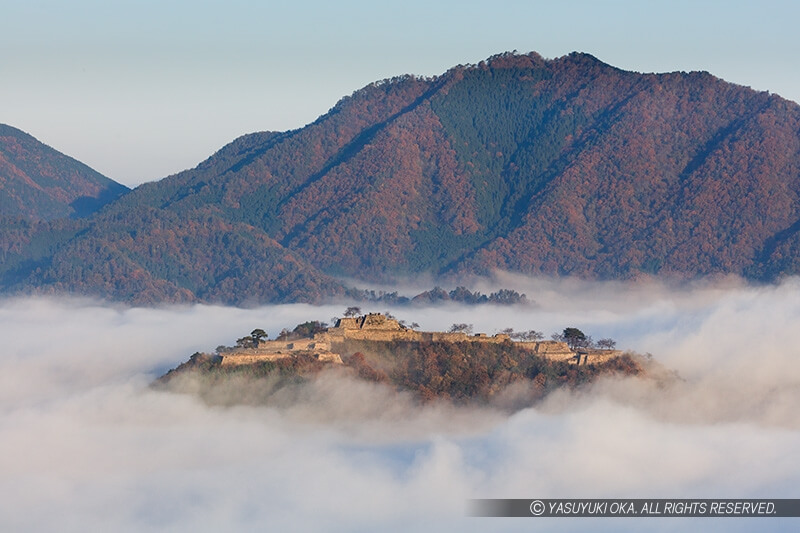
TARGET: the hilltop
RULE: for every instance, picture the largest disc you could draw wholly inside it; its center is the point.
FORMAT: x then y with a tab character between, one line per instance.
40	183
376	348
563	167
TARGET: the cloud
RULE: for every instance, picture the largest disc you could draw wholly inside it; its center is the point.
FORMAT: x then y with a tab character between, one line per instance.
86	444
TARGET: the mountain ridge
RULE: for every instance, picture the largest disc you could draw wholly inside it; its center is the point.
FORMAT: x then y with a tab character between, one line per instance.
40	183
555	167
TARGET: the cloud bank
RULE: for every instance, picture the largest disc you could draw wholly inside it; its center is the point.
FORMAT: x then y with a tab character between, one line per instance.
86	445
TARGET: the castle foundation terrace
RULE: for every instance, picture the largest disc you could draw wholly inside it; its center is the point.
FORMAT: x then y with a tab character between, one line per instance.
377	327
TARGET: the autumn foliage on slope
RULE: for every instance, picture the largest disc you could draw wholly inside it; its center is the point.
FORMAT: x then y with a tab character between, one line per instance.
40	183
560	167
461	372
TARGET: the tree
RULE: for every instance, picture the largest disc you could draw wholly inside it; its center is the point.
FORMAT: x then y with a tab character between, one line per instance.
258	335
462	294
245	342
464	328
531	335
575	338
507	297
308	329
352	311
607	344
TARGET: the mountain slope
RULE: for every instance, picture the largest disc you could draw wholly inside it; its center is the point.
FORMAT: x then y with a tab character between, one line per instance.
39	183
565	167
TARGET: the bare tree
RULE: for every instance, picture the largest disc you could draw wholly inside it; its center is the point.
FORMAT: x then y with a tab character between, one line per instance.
607	344
531	335
461	328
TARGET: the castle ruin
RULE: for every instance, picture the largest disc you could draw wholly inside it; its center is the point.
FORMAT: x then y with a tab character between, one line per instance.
377	327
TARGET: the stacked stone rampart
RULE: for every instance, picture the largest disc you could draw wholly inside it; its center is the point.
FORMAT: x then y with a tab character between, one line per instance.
382	335
592	357
241	358
279	349
558	351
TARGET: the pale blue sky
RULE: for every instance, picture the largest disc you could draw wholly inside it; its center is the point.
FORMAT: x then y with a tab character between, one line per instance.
142	89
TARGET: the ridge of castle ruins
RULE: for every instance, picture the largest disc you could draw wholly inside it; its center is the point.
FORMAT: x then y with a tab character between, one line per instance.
376	327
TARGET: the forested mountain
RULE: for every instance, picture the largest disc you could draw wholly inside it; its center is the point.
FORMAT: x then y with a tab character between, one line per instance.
560	167
39	183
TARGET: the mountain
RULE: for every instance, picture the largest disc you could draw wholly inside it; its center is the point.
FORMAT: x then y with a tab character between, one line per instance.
39	183
556	167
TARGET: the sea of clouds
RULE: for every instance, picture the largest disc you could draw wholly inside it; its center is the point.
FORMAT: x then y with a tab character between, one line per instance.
86	444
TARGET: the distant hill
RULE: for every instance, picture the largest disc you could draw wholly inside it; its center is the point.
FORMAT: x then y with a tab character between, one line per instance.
429	365
39	183
556	167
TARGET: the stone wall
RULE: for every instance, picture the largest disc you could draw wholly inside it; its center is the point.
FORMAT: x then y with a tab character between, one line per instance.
371	321
330	357
239	358
347	323
558	351
274	350
382	335
380	322
388	335
592	357
458	336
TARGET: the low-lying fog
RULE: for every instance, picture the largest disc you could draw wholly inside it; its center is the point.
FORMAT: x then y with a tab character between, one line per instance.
86	445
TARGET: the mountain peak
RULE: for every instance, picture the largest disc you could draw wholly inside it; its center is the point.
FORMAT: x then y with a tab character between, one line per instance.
514	60
40	183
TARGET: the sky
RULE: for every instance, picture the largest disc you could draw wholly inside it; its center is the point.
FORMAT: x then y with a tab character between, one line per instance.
87	445
141	89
